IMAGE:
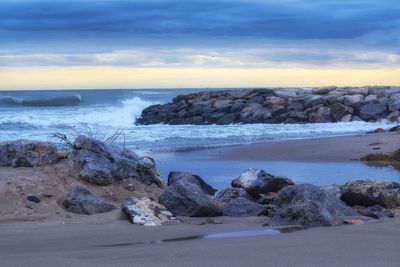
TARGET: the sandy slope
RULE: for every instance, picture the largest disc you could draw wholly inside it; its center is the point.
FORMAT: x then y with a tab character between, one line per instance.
51	184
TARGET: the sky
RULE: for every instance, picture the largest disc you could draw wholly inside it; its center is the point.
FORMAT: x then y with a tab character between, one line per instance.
78	44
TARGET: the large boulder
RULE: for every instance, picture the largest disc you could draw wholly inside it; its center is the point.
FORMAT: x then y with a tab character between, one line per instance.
24	153
100	163
81	201
373	111
339	111
187	195
307	205
259	182
174	177
322	114
146	212
243	207
353	100
369	193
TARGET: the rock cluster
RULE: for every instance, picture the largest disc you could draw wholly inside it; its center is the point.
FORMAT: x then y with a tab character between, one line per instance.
100	163
24	153
318	105
257	193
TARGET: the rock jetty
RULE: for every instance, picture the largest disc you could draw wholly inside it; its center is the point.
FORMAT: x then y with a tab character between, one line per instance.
317	105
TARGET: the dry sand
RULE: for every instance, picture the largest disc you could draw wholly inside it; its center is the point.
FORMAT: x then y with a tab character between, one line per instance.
51	184
46	235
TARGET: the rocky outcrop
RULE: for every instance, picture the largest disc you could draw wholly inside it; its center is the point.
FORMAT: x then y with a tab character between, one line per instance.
100	163
307	205
369	193
259	182
81	201
24	153
189	195
318	105
146	212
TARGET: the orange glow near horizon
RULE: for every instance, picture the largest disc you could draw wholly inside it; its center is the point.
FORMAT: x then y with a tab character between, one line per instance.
18	78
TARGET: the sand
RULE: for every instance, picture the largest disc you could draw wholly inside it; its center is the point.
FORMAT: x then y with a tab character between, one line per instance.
51	184
122	244
331	149
45	235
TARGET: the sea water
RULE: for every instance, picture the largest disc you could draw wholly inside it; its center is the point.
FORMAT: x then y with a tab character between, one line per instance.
41	114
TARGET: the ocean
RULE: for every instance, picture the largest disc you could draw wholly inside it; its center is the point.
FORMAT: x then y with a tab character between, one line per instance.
39	115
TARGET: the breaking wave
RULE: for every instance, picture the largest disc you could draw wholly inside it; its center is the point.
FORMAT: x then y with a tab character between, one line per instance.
57	101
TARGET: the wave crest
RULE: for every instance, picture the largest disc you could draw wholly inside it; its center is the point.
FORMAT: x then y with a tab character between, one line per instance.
57	101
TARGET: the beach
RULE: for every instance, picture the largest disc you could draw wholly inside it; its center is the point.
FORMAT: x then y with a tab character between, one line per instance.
119	243
51	236
329	149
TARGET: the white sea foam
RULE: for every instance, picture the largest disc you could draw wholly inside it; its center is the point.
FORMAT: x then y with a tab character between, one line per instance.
121	115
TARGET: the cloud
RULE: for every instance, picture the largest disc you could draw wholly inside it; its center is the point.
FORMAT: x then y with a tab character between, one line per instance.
308	19
204	33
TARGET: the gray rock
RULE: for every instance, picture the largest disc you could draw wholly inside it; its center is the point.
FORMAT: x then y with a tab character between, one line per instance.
227	194
79	200
394	102
147	173
242	207
353	100
188	196
24	153
370	192
307	205
322	90
34	199
370	98
314	100
273	101
175	177
295	116
100	163
259	182
359	91
373	111
323	114
339	111
295	106
223	104
376	212
146	212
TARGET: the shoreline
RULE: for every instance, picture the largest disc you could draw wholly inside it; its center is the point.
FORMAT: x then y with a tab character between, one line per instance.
345	148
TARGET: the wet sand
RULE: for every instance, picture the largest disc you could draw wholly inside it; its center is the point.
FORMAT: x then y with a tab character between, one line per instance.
121	244
330	149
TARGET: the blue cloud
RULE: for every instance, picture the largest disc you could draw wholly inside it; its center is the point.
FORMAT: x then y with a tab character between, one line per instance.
263	19
322	31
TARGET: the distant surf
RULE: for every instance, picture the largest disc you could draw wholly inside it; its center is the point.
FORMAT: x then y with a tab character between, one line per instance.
57	101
